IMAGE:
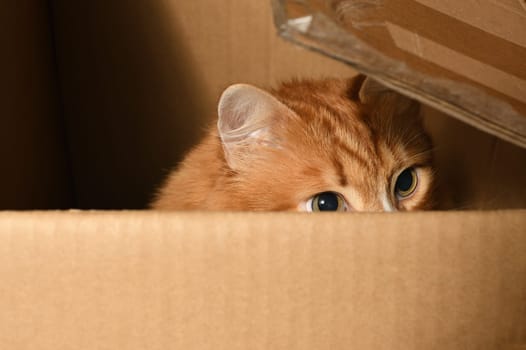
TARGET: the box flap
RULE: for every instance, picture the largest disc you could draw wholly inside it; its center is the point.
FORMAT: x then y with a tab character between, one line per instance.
150	280
463	57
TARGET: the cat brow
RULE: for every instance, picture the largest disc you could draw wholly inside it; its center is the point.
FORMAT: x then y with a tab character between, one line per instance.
339	143
340	171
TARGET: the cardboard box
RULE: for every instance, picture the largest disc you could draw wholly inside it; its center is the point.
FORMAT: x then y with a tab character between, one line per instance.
103	97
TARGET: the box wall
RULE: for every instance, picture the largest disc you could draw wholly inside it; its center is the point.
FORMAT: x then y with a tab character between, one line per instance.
35	170
137	280
476	170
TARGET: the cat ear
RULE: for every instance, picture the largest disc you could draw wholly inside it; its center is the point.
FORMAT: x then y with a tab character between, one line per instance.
246	114
373	92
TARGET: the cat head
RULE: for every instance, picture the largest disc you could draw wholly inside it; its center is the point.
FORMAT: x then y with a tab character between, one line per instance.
331	145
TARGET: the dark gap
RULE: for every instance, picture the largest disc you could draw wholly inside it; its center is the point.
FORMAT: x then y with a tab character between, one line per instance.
61	114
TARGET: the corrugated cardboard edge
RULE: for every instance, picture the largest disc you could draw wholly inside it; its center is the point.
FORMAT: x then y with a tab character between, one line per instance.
463	101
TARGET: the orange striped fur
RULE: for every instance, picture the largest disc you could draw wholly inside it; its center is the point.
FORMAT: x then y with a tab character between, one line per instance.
324	135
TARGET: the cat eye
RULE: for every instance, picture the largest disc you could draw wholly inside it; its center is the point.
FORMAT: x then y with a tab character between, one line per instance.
327	201
406	183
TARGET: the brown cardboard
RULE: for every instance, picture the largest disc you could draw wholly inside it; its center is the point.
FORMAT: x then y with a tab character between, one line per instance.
150	280
478	171
34	167
458	56
136	84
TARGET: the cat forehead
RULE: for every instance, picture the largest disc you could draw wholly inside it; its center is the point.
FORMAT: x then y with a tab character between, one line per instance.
345	158
345	124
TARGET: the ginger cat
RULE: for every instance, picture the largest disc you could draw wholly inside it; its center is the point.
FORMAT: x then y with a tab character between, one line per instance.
328	145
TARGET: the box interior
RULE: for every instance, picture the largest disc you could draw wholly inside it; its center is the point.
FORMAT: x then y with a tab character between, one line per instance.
104	98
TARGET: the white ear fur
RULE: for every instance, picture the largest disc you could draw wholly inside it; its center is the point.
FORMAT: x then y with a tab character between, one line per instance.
245	116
